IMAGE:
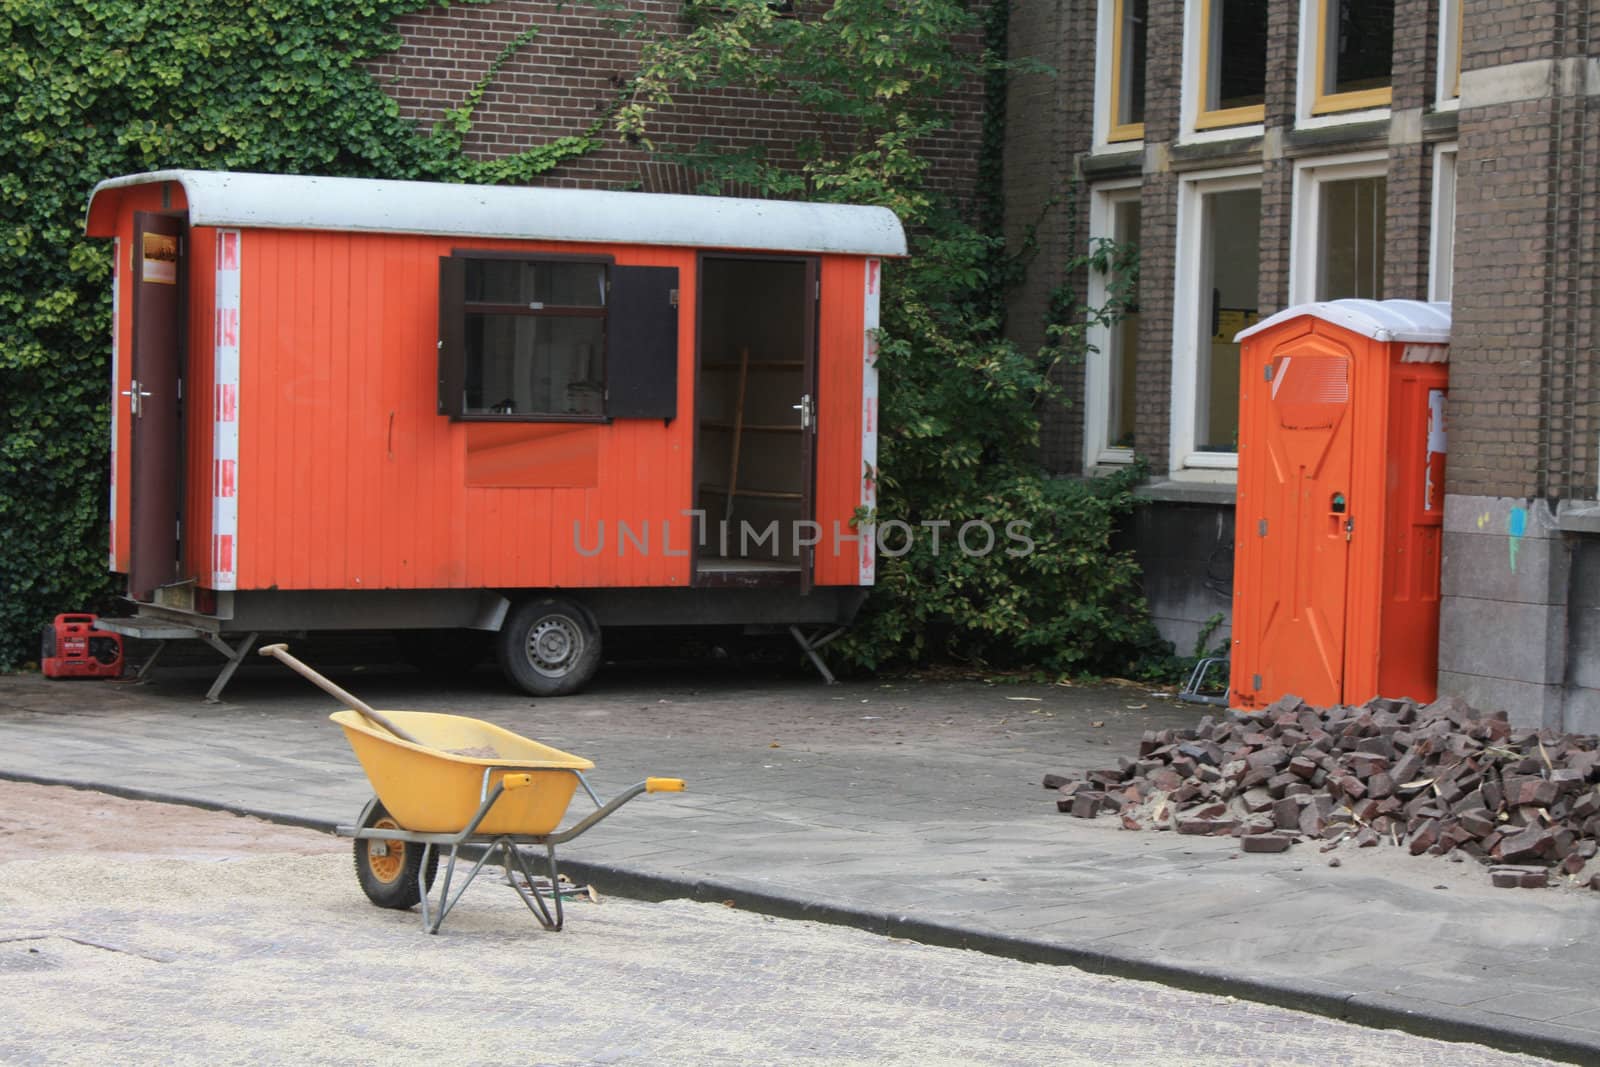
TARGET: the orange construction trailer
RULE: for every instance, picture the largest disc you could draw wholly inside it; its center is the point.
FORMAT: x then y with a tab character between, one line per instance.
480	415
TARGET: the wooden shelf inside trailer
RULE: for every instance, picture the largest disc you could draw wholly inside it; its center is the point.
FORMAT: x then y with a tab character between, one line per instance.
749	427
759	494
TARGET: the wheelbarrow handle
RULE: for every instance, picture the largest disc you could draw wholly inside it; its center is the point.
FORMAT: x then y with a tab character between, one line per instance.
280	652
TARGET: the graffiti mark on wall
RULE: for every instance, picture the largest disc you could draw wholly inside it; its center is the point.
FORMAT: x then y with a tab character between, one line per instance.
1516	526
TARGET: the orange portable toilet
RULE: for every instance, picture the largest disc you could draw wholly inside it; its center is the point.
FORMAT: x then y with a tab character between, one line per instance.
487	415
1340	503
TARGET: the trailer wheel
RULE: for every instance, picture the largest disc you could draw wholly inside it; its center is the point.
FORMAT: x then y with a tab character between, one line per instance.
390	872
549	647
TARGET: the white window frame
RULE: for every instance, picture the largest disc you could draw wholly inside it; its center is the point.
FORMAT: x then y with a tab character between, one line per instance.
1186	464
1308	92
1105	64
1309	176
1098	451
1194	39
1447	86
1442	229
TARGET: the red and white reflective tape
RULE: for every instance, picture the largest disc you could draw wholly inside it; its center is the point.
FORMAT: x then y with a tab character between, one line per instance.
225	407
869	419
116	385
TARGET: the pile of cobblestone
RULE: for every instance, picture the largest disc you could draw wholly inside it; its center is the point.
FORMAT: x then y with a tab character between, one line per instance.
1438	779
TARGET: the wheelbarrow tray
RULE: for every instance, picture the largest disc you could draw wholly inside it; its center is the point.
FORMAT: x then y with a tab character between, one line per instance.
431	789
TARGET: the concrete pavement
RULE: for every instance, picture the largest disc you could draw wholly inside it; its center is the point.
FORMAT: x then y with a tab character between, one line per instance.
137	950
912	808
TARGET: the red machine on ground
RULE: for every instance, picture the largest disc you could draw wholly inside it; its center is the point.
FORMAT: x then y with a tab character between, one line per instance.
73	648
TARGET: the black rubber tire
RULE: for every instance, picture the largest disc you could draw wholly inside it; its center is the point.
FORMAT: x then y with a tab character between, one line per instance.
443	653
392	881
549	647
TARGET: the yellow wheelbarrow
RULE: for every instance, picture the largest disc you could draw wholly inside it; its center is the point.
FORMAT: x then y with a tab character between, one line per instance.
452	782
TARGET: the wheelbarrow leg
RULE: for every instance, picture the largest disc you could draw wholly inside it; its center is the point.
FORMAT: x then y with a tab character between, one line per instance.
531	896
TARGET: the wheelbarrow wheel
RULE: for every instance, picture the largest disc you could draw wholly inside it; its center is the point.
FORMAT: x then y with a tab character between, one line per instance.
391	872
549	647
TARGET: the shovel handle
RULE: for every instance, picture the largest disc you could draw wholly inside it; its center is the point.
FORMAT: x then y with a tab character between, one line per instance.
280	652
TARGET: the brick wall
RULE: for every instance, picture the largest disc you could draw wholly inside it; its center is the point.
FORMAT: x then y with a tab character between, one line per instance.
567	77
1525	421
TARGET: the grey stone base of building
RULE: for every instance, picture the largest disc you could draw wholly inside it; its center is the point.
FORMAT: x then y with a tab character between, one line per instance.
1184	543
1519	613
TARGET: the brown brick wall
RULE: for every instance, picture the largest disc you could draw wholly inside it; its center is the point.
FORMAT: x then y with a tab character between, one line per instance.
1044	202
1524	415
561	82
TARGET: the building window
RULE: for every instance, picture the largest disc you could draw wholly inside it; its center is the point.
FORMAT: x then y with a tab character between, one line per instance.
1354	54
1339	230
1126	115
1219	257
526	338
1114	324
1232	63
1442	247
1449	88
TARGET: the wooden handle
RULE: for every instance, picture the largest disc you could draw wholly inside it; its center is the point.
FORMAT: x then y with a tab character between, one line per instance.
280	652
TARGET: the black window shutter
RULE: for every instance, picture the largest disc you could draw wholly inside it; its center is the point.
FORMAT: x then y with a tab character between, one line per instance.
452	334
642	343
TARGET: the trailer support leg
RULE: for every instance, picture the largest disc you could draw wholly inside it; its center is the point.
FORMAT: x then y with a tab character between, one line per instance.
810	646
150	661
234	656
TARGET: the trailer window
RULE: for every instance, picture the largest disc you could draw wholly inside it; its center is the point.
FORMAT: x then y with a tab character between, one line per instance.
522	338
540	339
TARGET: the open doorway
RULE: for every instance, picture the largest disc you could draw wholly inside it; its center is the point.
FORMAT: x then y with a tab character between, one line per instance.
757	420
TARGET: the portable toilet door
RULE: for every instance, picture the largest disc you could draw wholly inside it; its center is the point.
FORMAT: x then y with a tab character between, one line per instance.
1340	503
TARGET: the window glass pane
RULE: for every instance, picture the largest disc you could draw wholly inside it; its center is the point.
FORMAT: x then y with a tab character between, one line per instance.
513	281
1123	351
534	365
1130	65
1351	240
1230	257
1358	45
1236	71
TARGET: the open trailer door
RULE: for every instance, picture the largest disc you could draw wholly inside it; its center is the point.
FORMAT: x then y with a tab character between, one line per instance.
154	402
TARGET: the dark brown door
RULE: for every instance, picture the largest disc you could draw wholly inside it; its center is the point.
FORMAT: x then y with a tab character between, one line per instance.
154	403
808	424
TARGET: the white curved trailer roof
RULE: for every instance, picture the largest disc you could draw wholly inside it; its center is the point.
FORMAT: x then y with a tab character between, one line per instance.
368	205
1413	321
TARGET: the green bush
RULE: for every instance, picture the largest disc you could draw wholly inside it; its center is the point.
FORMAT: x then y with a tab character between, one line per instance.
92	89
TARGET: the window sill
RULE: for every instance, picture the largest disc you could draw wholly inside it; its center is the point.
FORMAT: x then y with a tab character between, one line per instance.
1113	161
1173	491
1577	518
1346	136
1343	118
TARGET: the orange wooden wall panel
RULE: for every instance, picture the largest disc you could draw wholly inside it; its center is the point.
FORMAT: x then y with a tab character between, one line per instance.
350	479
839	373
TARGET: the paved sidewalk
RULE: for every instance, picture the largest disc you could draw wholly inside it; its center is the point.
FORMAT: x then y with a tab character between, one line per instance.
909	808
